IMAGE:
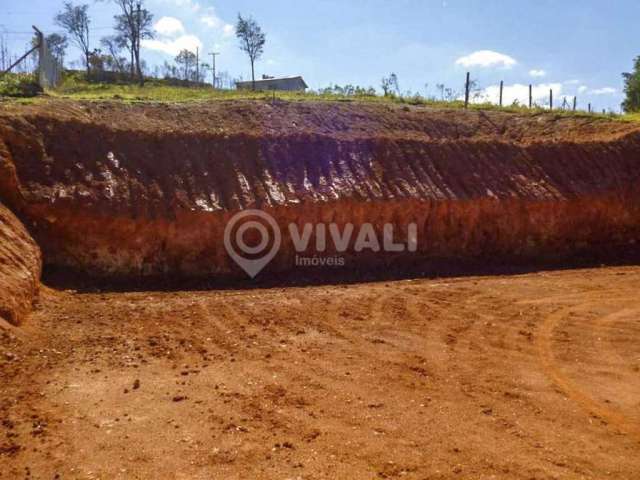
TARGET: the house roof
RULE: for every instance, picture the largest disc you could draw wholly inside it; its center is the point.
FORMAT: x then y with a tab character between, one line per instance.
274	80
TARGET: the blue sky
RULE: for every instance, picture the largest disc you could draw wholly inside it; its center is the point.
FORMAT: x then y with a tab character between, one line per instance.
576	47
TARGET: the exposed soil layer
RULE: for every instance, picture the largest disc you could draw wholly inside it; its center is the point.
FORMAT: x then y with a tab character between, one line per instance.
519	377
20	268
147	190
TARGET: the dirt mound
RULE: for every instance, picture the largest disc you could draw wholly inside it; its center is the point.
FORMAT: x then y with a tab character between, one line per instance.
20	266
128	190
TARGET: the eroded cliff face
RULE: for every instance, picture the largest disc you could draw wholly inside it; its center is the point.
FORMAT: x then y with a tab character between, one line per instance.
20	268
146	190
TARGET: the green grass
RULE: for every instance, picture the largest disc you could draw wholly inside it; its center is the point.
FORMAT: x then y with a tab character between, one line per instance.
633	117
18	85
75	87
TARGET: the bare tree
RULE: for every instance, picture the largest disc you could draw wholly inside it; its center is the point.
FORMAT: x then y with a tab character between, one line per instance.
134	25
390	85
75	20
252	40
114	45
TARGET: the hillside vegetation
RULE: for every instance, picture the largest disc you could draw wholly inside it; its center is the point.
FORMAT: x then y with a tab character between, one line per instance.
76	87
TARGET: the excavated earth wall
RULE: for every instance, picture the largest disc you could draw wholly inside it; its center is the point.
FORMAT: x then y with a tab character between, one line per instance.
146	190
20	267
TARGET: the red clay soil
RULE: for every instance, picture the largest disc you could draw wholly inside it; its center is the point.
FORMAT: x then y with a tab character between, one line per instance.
533	376
139	190
522	377
20	267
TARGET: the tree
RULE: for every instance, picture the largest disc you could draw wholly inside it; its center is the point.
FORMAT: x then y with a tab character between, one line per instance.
122	40
57	45
632	88
252	40
186	60
133	26
390	85
114	45
75	20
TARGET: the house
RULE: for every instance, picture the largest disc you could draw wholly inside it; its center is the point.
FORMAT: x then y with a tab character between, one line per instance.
290	84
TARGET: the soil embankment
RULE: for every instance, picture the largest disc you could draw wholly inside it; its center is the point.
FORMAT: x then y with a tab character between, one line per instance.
146	190
20	266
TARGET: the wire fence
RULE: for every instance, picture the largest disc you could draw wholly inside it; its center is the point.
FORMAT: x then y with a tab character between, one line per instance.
536	99
49	67
37	59
12	46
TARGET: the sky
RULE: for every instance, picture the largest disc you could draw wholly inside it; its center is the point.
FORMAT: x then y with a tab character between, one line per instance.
576	47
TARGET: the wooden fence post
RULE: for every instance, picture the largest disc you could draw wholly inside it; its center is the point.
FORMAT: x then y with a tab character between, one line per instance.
551	99
589	110
575	103
501	90
466	90
530	96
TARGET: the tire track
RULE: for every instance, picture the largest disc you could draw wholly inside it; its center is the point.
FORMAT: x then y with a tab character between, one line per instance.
552	369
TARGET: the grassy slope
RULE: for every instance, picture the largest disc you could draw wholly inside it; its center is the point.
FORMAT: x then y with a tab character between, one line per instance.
158	91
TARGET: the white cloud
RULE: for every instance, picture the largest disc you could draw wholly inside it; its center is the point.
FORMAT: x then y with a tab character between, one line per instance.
603	91
486	58
520	93
168	26
173	46
582	89
191	4
573	81
537	73
211	20
228	30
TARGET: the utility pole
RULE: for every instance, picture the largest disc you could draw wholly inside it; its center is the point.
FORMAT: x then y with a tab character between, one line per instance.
466	90
213	56
197	64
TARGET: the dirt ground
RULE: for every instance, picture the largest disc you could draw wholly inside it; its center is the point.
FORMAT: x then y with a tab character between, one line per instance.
530	376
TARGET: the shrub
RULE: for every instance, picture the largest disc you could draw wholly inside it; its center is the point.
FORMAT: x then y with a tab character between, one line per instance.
19	85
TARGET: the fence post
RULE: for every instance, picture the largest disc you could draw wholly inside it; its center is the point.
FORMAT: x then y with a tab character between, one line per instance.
530	96
575	103
589	110
501	89
466	91
38	33
551	99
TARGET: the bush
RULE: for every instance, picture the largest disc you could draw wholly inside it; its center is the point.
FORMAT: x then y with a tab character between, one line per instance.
19	85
